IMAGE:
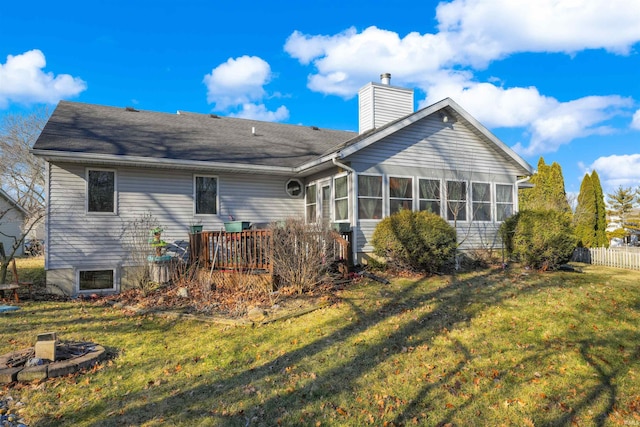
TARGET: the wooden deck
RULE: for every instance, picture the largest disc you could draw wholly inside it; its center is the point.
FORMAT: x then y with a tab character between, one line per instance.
250	249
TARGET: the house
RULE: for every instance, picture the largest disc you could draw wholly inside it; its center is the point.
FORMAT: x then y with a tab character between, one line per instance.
12	218
107	166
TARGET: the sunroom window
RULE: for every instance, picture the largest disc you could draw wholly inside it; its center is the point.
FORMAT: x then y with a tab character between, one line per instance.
369	197
311	203
504	201
481	201
456	200
429	195
341	198
400	194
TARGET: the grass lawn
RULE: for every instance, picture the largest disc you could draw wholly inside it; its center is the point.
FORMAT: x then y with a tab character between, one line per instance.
484	348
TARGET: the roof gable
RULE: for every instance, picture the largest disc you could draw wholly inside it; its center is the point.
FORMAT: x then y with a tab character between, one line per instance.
445	107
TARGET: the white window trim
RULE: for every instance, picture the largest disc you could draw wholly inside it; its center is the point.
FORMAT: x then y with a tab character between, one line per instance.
446	202
116	279
441	184
347	198
388	191
490	202
324	182
86	191
357	207
513	199
195	195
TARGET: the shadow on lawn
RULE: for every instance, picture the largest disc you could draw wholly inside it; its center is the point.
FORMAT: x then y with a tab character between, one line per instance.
455	305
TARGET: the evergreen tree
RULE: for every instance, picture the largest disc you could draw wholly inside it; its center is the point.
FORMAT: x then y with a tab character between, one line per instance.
621	203
585	217
548	190
601	212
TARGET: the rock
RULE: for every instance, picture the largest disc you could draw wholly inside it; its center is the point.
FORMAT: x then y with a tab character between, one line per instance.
161	300
183	293
257	314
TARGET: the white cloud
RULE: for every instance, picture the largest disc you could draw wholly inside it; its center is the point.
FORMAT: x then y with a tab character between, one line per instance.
635	122
618	170
260	112
472	34
237	81
23	80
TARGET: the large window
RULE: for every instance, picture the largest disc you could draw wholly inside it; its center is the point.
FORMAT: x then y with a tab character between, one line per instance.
400	194
369	197
101	190
481	201
504	201
456	200
311	203
206	195
96	280
341	198
429	195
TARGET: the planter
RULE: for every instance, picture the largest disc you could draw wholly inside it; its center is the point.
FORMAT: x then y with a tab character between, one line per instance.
236	226
195	229
341	227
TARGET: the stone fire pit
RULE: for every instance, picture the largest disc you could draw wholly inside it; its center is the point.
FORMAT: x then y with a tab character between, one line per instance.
49	358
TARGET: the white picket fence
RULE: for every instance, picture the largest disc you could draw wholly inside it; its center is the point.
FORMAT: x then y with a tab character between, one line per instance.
625	257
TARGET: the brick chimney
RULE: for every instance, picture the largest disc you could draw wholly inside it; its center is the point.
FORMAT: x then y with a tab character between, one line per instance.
381	103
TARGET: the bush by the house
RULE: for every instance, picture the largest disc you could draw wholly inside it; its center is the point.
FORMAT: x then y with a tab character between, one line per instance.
417	241
299	253
539	239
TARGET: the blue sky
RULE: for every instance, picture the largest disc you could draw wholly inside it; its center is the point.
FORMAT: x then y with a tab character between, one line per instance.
555	78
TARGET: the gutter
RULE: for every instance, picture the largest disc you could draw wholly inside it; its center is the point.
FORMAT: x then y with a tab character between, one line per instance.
335	161
523	180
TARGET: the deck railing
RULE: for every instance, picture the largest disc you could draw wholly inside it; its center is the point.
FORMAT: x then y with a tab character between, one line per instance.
250	249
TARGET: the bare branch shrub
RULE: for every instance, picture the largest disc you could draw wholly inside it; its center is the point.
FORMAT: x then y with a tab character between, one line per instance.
299	254
136	240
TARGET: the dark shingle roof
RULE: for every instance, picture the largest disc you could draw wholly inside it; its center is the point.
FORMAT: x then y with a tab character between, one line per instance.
100	130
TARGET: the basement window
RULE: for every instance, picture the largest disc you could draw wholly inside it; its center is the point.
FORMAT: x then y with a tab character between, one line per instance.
96	280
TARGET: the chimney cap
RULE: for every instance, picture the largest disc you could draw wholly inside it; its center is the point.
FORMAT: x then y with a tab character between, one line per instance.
385	78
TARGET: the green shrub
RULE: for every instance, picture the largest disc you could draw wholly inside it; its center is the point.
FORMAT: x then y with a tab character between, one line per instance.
539	239
418	241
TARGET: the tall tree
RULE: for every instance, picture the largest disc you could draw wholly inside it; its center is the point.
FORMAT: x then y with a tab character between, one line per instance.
21	173
621	203
585	216
601	212
548	190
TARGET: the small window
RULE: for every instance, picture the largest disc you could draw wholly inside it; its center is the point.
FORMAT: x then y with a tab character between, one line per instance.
101	190
206	195
456	200
429	195
311	203
96	280
294	188
341	198
504	201
369	197
400	194
481	201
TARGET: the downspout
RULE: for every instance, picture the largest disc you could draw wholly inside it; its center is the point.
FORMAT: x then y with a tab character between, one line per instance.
518	182
350	170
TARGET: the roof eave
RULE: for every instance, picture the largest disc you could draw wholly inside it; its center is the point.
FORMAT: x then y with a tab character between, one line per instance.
88	158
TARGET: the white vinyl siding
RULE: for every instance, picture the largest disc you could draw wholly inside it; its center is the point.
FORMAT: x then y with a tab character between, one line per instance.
77	239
